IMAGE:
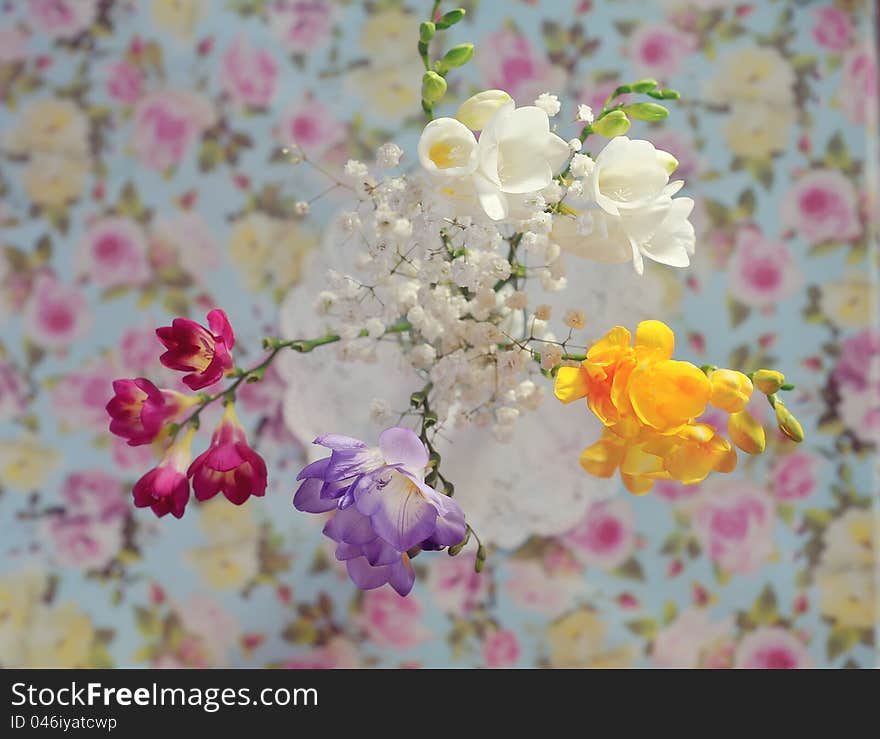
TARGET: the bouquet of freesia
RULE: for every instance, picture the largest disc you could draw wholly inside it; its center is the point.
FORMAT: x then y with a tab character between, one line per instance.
450	263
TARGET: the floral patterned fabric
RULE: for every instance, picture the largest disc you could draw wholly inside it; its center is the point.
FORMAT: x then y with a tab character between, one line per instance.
143	177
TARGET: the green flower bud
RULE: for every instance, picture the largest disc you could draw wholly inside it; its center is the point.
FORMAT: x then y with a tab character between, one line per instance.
433	87
768	381
645	85
788	424
451	18
426	31
457	56
646	111
614	124
664	94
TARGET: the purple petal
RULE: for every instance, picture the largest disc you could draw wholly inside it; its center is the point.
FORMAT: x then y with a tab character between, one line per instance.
450	527
401	446
315	469
398	510
351	527
365	576
379	552
332	489
308	498
402	576
348	463
339	442
347	551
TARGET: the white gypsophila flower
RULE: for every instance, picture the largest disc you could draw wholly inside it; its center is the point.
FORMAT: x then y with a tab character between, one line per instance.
380	411
584	114
575	319
581	165
548	103
388	155
301	208
355	170
575	145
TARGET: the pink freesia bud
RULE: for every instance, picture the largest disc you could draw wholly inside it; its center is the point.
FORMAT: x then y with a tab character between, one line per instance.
138	409
229	464
165	488
203	352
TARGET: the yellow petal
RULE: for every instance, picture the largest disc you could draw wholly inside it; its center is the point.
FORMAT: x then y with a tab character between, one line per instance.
731	390
570	384
656	336
637	485
668	393
746	432
602	458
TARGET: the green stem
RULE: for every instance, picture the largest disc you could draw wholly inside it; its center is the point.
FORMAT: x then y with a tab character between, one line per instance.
255	373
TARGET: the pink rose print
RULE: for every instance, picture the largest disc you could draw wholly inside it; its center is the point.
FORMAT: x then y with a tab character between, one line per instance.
336	654
794	476
659	50
391	620
166	124
859	361
114	253
822	206
860	412
56	315
761	272
833	28
532	588
139	351
185	239
858	85
734	524
690	640
83	394
311	126
508	62
89	532
596	94
501	649
772	648
125	82
301	25
131	457
212	628
681	146
605	537
13	392
456	588
674	492
59	19
249	76
13	46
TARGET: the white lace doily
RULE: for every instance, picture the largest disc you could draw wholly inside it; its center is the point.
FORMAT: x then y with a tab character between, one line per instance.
532	485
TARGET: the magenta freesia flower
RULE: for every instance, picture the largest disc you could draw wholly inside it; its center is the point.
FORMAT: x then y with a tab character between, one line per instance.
138	409
203	352
229	465
165	488
383	506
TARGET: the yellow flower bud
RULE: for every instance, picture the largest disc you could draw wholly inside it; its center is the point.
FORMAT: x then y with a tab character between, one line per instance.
476	111
788	424
746	432
768	381
731	390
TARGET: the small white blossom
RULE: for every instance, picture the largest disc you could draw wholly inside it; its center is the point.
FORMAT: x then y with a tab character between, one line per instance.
584	114
423	356
575	145
517	300
301	208
356	170
380	411
551	355
575	319
543	312
375	328
548	103
582	165
388	155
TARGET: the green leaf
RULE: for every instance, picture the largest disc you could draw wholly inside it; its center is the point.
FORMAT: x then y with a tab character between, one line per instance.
645	627
670	611
766	607
841	640
739	312
630	569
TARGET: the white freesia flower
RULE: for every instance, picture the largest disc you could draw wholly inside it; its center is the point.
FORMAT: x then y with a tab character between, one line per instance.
629	174
448	148
518	154
476	111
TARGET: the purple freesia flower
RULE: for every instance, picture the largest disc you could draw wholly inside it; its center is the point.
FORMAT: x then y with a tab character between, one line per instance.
383	506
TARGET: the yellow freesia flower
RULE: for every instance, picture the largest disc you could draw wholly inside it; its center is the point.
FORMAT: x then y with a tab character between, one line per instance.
731	390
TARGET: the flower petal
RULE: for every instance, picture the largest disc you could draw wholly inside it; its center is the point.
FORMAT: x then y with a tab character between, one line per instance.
401	446
398	510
